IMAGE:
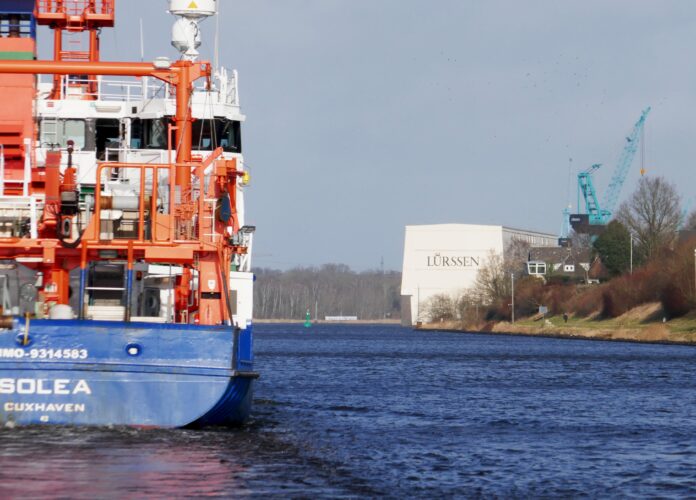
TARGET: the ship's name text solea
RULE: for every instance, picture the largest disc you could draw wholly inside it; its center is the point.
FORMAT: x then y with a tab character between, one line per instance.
60	387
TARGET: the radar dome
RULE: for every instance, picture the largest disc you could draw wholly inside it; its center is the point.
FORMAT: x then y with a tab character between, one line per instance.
193	9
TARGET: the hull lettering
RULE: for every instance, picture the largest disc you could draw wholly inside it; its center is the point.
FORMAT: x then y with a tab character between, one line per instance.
60	387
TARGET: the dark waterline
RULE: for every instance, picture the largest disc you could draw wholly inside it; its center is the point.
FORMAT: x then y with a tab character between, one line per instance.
346	411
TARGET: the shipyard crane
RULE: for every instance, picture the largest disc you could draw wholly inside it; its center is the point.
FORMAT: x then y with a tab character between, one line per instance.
587	190
596	214
684	216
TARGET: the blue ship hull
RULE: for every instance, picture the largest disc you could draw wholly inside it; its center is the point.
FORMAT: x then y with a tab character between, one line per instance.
133	374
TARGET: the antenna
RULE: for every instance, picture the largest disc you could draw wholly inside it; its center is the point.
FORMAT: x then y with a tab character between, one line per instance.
142	42
216	55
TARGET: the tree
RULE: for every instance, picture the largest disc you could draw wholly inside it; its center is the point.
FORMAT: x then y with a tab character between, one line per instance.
516	254
441	307
581	241
690	223
652	214
492	281
614	248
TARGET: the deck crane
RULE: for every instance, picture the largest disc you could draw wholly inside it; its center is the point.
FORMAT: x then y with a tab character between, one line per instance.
599	215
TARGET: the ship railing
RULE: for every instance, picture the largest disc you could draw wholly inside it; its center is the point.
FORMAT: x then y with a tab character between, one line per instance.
74	7
76	87
158	222
226	90
18	207
169	218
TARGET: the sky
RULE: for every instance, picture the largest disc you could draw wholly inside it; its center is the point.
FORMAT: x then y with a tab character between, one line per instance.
364	116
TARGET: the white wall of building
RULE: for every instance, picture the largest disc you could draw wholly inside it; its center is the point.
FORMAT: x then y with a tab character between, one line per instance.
445	258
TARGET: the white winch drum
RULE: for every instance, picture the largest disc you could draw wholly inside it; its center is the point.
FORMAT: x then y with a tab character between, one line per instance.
193	8
61	311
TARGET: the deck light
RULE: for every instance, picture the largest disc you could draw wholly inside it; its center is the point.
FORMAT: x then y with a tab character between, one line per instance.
162	63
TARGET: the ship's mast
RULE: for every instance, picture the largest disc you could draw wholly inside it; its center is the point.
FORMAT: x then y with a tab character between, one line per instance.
72	21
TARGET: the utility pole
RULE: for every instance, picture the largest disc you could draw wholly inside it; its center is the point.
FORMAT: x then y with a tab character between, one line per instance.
384	289
512	280
631	253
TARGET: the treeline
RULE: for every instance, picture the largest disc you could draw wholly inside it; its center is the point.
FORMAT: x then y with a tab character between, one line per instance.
329	290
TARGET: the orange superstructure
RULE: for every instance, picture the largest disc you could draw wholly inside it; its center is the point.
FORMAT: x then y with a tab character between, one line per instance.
17	118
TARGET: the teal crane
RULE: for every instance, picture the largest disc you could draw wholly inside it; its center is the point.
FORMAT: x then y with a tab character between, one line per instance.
599	215
685	213
586	189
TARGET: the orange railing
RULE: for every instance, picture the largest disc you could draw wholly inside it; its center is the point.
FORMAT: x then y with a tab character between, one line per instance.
142	199
75	7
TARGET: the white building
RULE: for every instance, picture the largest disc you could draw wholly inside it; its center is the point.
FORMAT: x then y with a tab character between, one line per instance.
445	258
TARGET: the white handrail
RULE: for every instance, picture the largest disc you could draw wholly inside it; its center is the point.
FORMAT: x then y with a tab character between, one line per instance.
142	90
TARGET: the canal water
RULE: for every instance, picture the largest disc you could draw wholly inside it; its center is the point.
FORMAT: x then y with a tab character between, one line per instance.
372	411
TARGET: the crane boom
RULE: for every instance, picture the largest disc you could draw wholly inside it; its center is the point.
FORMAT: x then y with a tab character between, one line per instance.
611	197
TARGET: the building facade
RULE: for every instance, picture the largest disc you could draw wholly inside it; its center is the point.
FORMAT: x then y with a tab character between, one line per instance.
446	258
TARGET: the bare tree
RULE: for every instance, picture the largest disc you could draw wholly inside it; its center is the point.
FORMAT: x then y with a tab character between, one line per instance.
652	214
516	254
441	307
581	241
492	281
690	223
469	307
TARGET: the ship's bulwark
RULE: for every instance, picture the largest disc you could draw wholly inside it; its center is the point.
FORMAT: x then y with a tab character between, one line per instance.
104	373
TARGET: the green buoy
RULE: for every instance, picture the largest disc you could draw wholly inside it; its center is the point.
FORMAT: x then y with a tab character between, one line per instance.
308	320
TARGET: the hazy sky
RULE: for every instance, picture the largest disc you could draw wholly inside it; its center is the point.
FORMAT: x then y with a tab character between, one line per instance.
367	115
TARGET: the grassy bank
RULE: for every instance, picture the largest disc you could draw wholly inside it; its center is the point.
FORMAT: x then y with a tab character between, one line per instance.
642	324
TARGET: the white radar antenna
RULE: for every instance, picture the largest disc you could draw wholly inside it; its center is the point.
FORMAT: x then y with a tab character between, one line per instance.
186	36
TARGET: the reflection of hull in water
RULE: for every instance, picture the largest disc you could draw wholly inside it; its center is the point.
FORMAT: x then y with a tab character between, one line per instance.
104	373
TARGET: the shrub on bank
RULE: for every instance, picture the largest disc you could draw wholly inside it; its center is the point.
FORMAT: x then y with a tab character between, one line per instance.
668	279
631	290
674	301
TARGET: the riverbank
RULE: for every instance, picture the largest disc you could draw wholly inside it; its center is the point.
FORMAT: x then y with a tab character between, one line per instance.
643	324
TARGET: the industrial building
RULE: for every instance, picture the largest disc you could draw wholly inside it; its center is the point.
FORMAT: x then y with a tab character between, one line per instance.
445	258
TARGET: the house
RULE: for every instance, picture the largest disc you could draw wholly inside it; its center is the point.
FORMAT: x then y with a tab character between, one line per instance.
567	263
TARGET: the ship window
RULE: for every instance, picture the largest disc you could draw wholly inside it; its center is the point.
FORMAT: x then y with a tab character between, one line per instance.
225	134
73	130
108	135
136	133
59	132
149	134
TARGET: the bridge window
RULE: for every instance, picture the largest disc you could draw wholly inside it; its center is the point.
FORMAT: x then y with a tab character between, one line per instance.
59	132
207	134
211	134
149	134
